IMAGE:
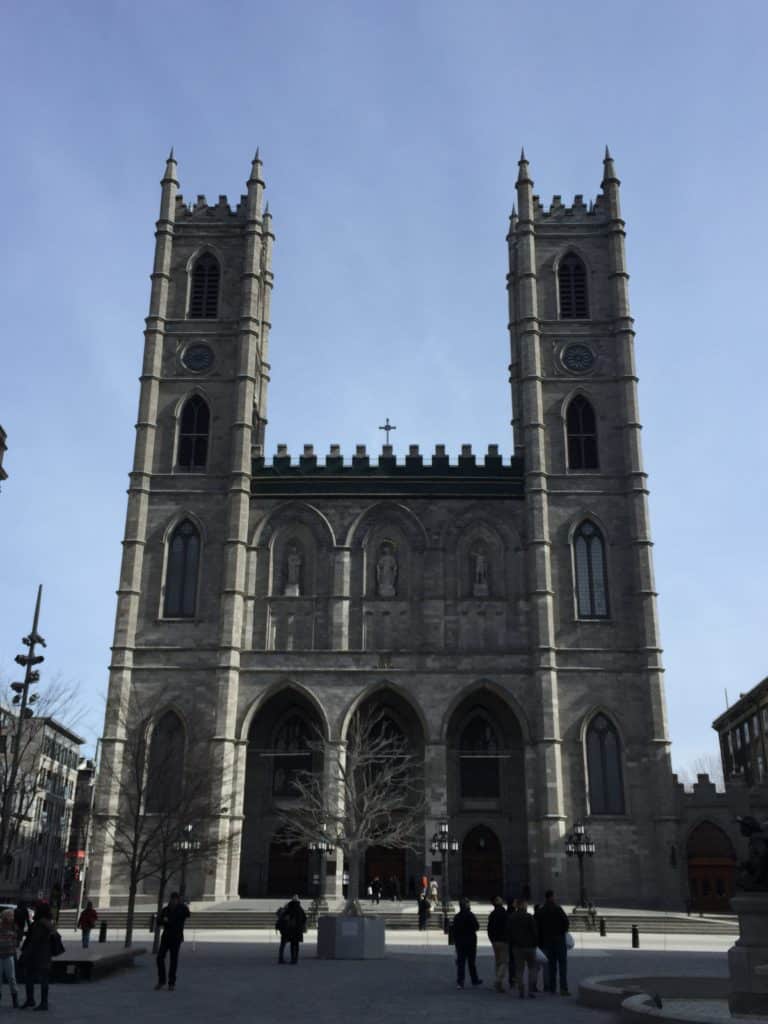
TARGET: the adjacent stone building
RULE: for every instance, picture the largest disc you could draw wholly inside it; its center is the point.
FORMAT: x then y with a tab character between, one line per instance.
499	609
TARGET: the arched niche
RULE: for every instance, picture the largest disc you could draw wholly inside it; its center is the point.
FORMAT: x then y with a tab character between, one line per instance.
282	739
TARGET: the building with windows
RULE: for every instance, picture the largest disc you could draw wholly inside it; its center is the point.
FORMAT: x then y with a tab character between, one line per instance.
498	608
44	797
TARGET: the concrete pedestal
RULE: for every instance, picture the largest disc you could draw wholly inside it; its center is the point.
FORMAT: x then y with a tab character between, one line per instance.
340	937
749	987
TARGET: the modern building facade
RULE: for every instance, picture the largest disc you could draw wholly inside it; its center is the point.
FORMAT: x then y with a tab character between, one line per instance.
499	609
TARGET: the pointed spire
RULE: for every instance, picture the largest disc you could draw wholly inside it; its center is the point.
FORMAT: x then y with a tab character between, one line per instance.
255	167
171	156
170	169
522	174
513	215
609	170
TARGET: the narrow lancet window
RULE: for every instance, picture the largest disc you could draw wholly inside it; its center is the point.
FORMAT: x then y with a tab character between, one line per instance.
590	572
572	284
204	293
181	572
581	428
606	790
194	426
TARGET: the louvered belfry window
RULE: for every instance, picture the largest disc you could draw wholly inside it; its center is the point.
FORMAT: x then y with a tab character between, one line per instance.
181	572
194	427
581	428
591	576
204	295
572	281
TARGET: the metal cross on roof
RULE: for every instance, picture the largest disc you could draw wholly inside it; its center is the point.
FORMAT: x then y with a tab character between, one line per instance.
387	426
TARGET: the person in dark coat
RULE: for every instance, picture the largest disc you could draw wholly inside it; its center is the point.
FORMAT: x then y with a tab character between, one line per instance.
86	921
553	925
295	923
523	938
423	908
497	933
36	956
21	919
172	920
465	929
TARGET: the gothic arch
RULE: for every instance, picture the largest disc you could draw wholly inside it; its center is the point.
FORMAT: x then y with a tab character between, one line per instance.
621	807
477	689
264	531
477	514
282	686
179	517
203	250
561	256
171	526
164	767
384	687
178	409
577	250
382	512
574	526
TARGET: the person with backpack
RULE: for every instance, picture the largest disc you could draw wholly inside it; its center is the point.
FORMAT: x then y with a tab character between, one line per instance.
292	925
87	920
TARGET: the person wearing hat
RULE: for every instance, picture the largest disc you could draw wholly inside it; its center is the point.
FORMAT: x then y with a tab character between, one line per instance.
465	929
497	933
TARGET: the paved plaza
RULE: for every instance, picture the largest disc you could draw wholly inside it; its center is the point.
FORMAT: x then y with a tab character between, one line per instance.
235	978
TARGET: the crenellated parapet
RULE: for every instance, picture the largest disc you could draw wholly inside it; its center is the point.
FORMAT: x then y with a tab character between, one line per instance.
200	209
577	212
487	474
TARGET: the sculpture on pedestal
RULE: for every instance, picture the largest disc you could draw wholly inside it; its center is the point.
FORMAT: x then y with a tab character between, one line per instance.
386	572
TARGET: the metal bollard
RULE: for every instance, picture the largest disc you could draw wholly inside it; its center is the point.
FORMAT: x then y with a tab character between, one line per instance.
602	926
152	923
635	937
103	932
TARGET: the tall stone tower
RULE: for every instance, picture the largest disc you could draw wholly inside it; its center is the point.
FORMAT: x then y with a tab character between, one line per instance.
576	427
202	408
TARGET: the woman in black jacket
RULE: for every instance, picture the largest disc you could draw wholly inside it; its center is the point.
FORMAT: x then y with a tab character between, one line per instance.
36	956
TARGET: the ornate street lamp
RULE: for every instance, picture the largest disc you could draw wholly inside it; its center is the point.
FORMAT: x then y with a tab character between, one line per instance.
579	844
185	845
444	843
321	847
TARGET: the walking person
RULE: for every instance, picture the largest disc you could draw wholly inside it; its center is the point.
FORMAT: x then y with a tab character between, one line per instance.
8	944
172	919
553	926
282	928
423	911
87	920
465	928
497	933
36	955
295	925
523	938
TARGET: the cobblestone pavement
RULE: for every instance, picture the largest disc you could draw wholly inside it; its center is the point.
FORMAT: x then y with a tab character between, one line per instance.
240	981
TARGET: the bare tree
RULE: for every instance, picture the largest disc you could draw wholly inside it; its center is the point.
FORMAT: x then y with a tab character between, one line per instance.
705	764
22	737
159	789
370	793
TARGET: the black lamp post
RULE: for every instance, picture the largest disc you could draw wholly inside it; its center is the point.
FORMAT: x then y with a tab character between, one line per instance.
321	847
579	844
185	845
444	843
24	701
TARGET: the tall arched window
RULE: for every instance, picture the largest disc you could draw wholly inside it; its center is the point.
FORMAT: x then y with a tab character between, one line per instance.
194	425
581	428
166	763
291	753
478	759
591	576
606	789
572	284
204	293
181	572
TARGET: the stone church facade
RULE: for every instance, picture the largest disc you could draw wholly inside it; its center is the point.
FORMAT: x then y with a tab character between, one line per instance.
499	609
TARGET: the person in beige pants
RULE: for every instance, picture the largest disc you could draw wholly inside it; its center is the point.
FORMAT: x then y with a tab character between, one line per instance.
497	933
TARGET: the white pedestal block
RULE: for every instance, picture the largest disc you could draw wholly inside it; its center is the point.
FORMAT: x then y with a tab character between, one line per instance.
350	938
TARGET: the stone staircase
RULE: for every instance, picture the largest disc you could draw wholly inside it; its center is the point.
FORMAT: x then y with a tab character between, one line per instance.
248	915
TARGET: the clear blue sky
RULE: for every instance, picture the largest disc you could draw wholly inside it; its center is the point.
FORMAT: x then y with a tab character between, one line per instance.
390	135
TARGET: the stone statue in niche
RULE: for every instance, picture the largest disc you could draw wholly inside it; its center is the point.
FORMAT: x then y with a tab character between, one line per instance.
386	572
479	574
293	572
